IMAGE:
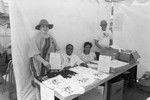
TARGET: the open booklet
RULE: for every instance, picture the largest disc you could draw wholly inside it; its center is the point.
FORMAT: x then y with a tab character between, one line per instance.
104	63
55	60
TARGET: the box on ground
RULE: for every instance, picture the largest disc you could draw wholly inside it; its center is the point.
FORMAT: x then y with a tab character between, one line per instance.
115	89
129	56
144	82
94	94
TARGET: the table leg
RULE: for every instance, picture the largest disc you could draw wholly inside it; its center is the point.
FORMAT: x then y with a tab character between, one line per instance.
105	91
133	78
135	74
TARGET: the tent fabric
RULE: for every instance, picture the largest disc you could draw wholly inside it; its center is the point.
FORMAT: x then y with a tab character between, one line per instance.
75	21
69	21
135	32
2	10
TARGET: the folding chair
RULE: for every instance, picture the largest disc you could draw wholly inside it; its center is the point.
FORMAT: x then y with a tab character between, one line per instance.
126	76
9	81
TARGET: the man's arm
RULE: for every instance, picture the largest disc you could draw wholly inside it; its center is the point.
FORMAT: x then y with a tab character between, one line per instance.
97	44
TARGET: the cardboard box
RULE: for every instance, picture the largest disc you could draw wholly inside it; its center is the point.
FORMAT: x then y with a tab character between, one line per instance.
94	94
117	66
115	89
110	52
116	70
144	82
129	56
145	85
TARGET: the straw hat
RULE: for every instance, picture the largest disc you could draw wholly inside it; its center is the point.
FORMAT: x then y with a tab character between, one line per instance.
43	22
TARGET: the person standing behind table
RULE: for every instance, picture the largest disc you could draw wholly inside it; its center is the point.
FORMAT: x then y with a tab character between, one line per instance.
87	56
40	47
70	60
103	38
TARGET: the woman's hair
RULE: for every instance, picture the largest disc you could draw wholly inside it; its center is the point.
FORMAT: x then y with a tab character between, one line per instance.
88	43
69	45
103	22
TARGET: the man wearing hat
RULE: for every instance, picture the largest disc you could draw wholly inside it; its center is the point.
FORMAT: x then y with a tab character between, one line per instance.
40	47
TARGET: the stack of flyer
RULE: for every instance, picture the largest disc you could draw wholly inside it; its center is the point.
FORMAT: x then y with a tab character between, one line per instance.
63	86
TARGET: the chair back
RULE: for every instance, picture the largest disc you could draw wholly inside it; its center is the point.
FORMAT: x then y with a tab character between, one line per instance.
10	72
11	80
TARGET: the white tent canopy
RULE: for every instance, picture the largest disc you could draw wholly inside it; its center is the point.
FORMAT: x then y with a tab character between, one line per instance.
75	21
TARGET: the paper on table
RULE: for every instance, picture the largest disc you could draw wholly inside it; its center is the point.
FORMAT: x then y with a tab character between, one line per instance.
67	88
104	63
117	63
55	60
46	93
82	80
78	69
97	74
88	73
100	75
53	82
92	65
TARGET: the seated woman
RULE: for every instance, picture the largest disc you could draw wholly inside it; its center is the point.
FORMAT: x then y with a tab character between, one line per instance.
71	60
87	55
